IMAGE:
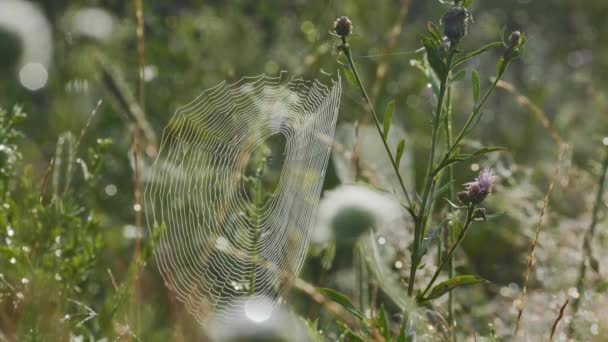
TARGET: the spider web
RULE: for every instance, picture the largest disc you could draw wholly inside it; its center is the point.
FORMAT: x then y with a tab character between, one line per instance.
234	191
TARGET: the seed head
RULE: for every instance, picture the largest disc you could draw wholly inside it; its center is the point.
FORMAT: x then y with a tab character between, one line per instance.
455	23
514	39
478	190
343	27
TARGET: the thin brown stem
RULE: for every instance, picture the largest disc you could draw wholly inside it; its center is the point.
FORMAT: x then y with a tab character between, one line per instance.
587	242
559	317
563	149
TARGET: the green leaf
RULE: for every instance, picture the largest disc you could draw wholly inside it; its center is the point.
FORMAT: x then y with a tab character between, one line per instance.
433	55
459	75
487	150
448	285
501	66
351	335
490	217
466	156
401	337
400	148
475	79
454	205
430	238
434	31
329	254
343	301
383	324
388	114
407	332
475	53
467	3
444	188
349	76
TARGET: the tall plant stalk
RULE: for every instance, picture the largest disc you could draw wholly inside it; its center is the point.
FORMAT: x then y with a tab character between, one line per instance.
345	48
448	237
420	221
589	234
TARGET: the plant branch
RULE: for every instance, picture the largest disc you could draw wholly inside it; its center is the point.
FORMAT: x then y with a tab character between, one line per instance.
420	222
345	48
587	241
448	257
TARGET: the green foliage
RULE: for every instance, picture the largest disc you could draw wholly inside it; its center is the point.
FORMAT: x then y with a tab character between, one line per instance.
67	264
52	242
450	284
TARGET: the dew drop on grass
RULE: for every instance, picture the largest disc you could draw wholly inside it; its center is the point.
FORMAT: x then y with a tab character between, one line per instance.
595	329
111	190
573	292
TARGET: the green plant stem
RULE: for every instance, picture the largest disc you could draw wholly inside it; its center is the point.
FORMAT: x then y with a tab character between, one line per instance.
448	257
351	63
472	118
449	234
420	221
587	243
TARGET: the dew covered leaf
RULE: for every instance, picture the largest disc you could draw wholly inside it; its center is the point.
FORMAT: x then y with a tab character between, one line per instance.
448	285
388	115
343	300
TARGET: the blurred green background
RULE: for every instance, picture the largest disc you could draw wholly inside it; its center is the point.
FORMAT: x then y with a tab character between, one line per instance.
58	58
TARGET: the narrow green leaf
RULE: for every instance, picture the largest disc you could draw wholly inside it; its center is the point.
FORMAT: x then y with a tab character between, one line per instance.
475	79
467	3
329	254
475	53
399	154
501	66
454	205
448	285
490	217
430	238
343	301
444	188
352	336
401	337
433	56
467	156
388	115
349	76
459	75
434	31
487	150
383	324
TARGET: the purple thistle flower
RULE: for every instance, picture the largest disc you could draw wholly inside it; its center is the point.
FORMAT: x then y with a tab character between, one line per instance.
478	190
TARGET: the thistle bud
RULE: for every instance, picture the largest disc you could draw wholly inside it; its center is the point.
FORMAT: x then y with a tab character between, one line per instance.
514	40
455	23
478	190
343	26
